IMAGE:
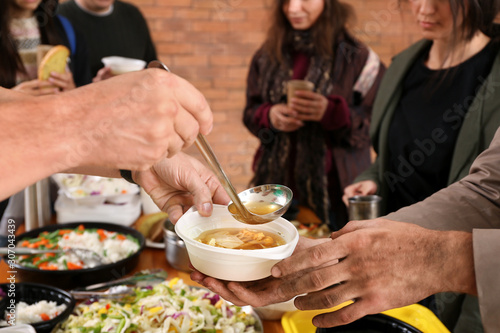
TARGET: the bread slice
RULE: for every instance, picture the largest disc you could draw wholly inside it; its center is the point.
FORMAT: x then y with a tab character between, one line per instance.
151	225
54	61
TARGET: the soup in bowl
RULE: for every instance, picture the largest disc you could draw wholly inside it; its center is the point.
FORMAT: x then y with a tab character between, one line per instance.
221	247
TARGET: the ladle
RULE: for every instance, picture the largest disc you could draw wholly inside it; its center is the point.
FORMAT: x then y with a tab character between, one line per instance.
243	214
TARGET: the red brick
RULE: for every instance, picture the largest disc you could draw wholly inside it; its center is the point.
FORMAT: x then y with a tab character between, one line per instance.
192	13
210	26
140	3
156	11
228	15
191	60
174	3
174	48
226	60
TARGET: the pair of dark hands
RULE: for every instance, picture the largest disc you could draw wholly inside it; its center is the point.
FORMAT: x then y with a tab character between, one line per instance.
377	264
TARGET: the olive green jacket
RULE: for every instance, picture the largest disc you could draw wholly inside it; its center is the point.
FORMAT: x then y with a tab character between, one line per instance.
475	135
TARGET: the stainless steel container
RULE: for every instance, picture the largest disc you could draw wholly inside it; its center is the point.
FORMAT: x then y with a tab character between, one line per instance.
364	207
175	249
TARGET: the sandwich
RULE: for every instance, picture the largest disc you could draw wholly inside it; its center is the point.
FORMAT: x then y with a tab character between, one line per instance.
55	60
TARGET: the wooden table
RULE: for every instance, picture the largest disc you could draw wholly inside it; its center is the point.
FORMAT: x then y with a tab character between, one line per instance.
155	258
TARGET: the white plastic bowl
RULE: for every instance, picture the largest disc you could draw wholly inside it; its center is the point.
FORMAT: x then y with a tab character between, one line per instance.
120	65
231	264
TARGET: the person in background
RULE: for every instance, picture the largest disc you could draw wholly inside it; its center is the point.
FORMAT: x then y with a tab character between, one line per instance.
320	143
385	263
138	124
24	25
111	28
435	112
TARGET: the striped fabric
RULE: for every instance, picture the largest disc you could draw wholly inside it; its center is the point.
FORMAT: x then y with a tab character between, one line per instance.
26	35
369	73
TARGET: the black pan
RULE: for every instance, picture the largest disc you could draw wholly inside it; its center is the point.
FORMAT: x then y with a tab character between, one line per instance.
70	279
32	293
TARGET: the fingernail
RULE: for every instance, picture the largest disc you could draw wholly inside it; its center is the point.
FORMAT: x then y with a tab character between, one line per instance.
275	271
207	207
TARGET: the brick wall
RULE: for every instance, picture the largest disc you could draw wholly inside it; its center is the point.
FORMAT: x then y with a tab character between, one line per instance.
210	43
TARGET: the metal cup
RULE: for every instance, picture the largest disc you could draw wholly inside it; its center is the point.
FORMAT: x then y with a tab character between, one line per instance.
364	207
175	249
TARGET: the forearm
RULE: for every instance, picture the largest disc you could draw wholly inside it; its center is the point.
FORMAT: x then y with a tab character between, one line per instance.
34	139
95	171
457	262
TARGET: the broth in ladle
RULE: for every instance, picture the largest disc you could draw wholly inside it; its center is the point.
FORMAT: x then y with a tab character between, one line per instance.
254	207
238	238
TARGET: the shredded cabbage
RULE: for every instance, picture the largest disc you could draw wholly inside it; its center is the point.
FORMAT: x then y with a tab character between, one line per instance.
171	306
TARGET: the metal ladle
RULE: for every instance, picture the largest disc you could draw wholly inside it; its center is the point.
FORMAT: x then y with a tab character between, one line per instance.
243	214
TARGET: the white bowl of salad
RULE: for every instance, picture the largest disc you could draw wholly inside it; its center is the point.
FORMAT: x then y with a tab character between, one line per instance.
224	248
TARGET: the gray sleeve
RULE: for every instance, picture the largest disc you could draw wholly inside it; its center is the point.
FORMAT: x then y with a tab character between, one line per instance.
486	243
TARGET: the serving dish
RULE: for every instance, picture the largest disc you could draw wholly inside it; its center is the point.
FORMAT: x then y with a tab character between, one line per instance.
95	190
68	279
31	293
163	307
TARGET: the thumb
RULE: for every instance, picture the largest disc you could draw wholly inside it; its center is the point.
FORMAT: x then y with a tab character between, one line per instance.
202	196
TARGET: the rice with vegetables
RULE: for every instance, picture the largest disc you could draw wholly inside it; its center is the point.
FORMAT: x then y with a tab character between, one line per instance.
111	246
34	313
171	306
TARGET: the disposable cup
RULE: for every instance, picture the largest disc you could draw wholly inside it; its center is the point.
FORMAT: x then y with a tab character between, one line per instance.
233	264
294	85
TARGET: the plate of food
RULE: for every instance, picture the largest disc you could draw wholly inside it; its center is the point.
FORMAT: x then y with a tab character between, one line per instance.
118	248
94	190
170	306
35	304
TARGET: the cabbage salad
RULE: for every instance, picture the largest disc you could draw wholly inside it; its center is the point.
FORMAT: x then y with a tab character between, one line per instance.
171	306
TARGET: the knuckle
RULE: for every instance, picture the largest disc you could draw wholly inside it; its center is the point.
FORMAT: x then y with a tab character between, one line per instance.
317	254
200	104
316	280
329	300
363	241
345	317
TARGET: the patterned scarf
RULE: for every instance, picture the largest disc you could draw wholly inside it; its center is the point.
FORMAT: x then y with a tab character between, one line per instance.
273	166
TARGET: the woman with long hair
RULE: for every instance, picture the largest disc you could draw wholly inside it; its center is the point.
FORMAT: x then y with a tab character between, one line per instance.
435	112
318	143
24	25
